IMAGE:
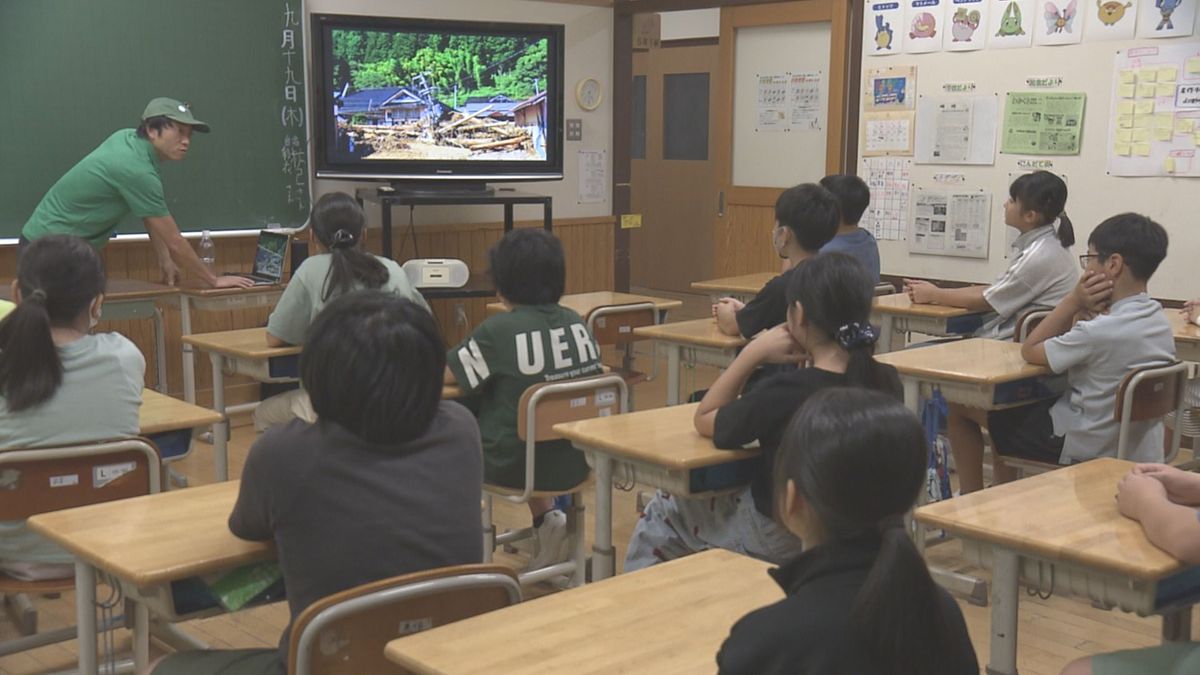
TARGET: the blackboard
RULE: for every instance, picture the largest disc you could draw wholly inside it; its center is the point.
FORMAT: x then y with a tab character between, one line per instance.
74	71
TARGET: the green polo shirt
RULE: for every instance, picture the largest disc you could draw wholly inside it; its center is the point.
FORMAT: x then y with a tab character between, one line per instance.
118	178
502	358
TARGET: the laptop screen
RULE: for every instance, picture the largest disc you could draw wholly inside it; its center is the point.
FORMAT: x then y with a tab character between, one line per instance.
268	257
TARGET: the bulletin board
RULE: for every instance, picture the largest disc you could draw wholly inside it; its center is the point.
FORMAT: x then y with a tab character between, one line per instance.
1124	150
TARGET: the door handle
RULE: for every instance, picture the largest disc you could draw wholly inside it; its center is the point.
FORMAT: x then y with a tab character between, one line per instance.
721	204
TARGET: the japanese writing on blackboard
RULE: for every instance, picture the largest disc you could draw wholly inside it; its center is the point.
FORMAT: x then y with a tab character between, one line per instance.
294	159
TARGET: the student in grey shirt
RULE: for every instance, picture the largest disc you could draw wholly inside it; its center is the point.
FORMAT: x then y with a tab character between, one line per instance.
385	482
1128	331
58	384
339	224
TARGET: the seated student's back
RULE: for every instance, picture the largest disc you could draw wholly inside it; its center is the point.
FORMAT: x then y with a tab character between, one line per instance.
60	385
853	197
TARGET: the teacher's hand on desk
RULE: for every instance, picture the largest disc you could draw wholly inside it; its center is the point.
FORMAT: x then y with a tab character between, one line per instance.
233	282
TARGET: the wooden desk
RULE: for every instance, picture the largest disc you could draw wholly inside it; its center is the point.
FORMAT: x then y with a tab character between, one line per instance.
127	299
741	287
215	300
1061	531
703	341
981	373
897	312
657	447
170	422
1187	336
243	351
669	618
584	303
146	543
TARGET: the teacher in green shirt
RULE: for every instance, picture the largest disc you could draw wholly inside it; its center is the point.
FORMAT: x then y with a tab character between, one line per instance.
121	177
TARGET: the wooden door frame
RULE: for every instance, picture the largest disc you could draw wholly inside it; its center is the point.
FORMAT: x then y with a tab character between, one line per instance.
845	52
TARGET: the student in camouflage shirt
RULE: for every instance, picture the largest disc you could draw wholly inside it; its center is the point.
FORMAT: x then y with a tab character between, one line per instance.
537	341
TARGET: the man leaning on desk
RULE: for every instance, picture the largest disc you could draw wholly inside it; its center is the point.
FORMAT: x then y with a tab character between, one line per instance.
120	177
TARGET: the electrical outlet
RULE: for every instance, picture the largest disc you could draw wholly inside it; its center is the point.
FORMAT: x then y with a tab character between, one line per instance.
575	129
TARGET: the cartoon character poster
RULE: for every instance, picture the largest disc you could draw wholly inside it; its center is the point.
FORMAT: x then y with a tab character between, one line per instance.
884	28
1011	23
1058	22
966	25
1110	19
1166	18
924	24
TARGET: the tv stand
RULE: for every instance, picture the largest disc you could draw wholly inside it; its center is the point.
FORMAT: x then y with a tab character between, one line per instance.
438	188
389	197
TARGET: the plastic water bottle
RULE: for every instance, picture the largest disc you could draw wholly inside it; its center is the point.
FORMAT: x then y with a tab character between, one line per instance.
208	252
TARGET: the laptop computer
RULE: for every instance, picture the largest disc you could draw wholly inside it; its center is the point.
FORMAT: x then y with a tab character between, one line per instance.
269	255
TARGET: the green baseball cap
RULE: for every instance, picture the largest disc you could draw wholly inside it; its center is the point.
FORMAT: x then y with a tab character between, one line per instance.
174	110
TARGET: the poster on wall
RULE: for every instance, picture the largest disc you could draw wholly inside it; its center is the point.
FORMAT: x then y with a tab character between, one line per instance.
891	88
951	223
772	103
967	25
956	130
1112	19
1154	127
1041	123
888	179
887	134
884	28
1166	18
1059	23
924	23
1011	24
804	101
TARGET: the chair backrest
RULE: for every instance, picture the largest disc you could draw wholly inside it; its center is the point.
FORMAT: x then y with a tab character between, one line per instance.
1027	322
884	288
436	272
39	480
614	324
1150	393
548	403
345	633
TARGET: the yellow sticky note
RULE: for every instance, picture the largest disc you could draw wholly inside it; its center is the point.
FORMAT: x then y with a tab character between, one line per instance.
1141	135
1123	149
1161	134
1126	90
631	221
1192	65
1197	137
1143	107
1147	75
1185	125
1141	122
1164	120
1145	90
1128	76
1125	108
1124	135
1165	89
1169	165
1141	149
1168	74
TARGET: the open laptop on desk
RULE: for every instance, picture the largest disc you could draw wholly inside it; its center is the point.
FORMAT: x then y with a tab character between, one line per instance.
269	255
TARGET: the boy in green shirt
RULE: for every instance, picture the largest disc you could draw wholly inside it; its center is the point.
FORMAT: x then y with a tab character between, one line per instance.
537	341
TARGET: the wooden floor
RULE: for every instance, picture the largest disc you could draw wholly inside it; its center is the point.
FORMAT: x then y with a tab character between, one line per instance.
1051	632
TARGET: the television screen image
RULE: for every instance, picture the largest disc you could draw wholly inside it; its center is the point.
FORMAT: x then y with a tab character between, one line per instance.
406	98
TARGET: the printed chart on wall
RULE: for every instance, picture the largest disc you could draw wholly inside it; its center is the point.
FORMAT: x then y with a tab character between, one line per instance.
789	102
1155	125
952	223
956	129
887	119
1040	123
888	180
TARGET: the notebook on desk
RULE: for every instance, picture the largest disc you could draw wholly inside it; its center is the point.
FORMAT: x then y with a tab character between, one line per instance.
269	255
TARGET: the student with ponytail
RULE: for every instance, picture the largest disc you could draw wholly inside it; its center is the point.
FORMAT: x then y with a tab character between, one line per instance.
860	598
1042	271
59	384
828	304
340	226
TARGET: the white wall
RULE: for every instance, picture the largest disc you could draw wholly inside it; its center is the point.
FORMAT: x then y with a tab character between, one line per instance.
589	37
1094	195
691	23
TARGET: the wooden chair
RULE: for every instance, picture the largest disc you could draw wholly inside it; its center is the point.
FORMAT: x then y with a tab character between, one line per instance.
345	633
614	324
1145	394
541	407
39	480
1027	322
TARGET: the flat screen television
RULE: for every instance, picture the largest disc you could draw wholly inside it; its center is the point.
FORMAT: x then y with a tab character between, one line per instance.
457	102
